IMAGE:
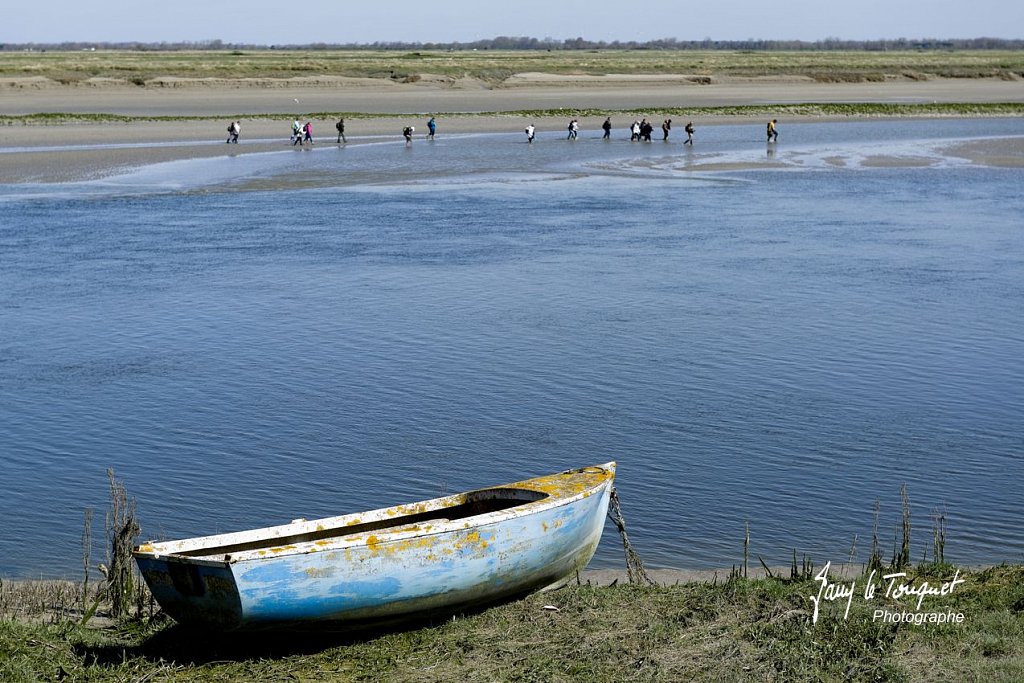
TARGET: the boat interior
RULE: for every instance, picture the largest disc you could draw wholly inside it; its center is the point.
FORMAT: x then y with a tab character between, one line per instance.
467	505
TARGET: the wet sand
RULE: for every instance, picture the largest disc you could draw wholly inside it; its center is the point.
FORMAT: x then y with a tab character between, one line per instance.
74	151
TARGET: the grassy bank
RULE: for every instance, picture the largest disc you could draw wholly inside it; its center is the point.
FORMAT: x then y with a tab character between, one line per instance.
807	110
494	66
735	629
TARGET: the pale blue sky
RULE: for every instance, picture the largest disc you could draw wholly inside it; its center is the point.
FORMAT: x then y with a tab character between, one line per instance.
339	21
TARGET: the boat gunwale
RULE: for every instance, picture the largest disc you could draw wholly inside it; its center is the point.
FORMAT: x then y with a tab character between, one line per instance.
161	550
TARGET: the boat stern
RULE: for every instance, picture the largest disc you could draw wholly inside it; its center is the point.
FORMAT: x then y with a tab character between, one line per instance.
191	592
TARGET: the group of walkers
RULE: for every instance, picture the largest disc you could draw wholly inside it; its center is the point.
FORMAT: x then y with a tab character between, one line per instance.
574	129
302	133
640	130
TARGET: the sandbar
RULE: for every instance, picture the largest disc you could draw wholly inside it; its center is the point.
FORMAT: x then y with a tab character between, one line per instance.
69	151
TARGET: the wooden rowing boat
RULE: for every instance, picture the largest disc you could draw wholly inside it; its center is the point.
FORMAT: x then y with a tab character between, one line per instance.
408	561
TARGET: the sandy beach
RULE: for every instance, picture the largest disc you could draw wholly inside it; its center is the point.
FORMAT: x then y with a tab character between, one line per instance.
63	152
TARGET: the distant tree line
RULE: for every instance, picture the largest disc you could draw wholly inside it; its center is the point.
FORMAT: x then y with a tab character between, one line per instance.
526	43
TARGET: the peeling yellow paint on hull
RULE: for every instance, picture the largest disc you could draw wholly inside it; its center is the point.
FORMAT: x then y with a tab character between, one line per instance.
399	562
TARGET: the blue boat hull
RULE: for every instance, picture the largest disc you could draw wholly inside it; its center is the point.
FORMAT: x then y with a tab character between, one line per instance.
387	575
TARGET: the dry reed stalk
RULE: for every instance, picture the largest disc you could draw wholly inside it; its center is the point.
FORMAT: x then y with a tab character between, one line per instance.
122	530
939	536
634	565
875	561
903	559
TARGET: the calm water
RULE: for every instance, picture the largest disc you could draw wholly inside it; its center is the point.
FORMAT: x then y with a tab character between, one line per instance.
779	346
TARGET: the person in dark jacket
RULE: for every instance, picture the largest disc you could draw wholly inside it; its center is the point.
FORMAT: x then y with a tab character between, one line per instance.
645	130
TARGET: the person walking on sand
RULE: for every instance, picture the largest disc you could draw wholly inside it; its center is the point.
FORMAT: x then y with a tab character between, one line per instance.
530	130
689	134
666	127
773	132
308	131
296	133
340	125
607	127
234	128
431	128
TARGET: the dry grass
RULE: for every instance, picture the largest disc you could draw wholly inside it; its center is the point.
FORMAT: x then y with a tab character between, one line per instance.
46	601
494	66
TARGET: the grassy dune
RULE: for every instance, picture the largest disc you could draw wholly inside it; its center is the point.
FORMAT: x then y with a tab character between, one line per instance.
494	66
